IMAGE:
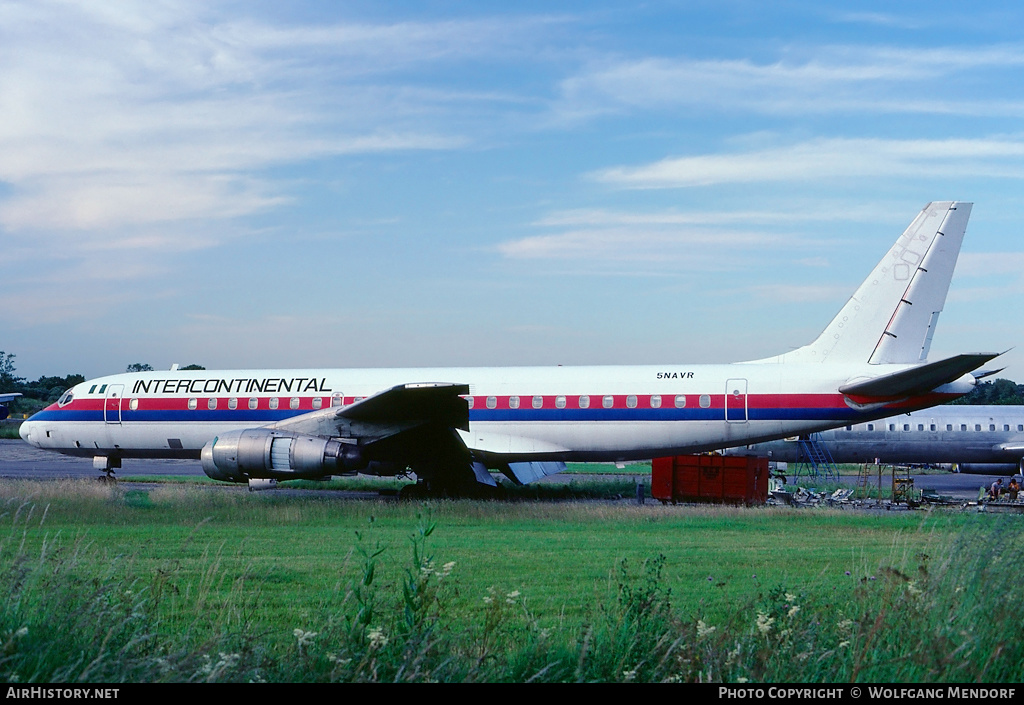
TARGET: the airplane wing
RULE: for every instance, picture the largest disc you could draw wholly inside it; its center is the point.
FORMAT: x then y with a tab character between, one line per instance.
916	380
386	413
411	424
4	399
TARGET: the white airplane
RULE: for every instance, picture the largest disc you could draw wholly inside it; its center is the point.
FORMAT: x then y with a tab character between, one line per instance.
450	426
974	439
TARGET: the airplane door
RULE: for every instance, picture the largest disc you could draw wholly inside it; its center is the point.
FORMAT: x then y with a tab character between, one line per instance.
736	400
112	404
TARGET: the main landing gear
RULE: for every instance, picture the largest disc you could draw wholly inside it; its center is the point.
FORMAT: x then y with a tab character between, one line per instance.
107	464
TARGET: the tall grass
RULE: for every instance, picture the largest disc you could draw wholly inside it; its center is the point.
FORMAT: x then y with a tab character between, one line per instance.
940	607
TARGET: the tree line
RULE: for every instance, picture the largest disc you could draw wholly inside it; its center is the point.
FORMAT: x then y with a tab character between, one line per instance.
39	393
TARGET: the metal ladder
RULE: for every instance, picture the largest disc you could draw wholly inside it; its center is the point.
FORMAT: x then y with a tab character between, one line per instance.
814	460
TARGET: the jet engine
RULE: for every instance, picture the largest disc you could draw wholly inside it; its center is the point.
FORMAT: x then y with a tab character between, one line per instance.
265	453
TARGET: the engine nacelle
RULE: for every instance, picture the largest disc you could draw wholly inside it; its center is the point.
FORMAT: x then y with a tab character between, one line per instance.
239	456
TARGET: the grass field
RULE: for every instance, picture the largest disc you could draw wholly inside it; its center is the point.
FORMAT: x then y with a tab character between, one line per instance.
186	583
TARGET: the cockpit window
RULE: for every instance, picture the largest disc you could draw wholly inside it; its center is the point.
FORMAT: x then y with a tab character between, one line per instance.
65	398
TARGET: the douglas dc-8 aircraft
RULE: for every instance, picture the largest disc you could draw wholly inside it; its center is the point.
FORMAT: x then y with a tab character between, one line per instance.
977	439
451	425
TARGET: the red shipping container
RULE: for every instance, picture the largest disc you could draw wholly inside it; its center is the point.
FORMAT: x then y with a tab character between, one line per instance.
710	478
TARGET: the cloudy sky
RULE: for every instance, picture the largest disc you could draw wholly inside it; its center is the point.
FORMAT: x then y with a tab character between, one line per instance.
347	184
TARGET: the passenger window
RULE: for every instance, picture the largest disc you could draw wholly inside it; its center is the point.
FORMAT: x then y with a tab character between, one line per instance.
704	401
193	403
920	427
560	402
892	427
492	402
273	402
232	403
906	427
631	401
932	427
871	427
469	402
538	402
949	427
133	404
977	427
655	401
680	401
585	401
608	401
253	402
211	403
293	403
513	402
963	427
318	402
991	427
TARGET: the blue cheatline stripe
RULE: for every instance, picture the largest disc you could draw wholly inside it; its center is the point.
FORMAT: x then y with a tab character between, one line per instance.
264	416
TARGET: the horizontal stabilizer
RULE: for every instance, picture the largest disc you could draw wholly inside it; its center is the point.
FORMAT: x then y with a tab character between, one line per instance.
1011	447
917	380
525	473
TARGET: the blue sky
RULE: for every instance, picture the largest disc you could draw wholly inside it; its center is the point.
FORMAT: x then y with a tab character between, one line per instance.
261	184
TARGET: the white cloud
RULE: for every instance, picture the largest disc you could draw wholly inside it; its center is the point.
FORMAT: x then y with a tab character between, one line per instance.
986	264
150	112
657	247
821	79
830	158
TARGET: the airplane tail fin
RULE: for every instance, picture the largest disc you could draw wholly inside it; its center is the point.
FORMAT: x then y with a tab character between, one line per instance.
891	317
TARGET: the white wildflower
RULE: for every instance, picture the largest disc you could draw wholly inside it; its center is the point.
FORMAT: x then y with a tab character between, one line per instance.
376	638
511	597
734	655
304	638
792	611
703	629
764	623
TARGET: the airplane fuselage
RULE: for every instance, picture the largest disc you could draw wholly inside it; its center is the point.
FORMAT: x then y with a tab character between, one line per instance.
529	413
964	435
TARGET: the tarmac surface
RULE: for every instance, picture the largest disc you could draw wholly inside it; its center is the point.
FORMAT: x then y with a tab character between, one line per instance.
19	460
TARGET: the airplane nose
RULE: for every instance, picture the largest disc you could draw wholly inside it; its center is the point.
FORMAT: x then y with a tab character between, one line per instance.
25	431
